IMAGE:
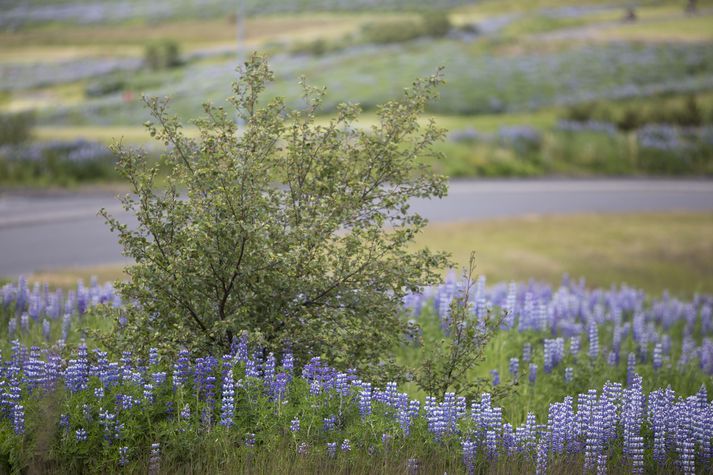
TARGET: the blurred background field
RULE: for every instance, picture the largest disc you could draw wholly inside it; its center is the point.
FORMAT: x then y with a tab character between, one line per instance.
533	88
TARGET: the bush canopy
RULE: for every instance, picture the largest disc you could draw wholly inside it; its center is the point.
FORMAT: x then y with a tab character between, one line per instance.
294	229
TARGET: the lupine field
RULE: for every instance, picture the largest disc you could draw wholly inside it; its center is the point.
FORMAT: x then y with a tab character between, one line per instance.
596	380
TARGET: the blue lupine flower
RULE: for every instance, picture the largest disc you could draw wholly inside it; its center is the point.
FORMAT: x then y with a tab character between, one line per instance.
295	425
532	375
81	435
155	459
495	377
332	449
329	423
18	419
469	454
228	403
303	448
514	368
123	456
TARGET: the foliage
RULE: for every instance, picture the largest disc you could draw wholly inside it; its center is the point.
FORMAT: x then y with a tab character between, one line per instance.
162	55
294	231
449	361
16	128
103	87
69	408
434	24
63	163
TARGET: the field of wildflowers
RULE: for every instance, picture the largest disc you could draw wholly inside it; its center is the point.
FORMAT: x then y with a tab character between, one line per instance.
606	380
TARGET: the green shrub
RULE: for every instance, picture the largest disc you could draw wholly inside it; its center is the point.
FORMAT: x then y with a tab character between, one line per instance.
433	23
104	87
163	54
16	128
294	231
436	23
396	31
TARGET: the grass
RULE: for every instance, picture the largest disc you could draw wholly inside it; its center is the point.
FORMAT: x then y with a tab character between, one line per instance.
652	251
191	34
682	28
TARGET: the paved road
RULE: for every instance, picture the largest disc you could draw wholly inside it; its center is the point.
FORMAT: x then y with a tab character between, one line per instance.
43	232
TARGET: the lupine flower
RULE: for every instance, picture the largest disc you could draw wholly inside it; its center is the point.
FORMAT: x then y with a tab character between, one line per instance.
532	375
303	448
568	374
658	358
123	456
329	423
155	459
574	345
541	467
412	466
527	352
295	425
495	377
593	341
365	396
331	449
630	368
250	440
346	446
228	403
514	368
469	455
18	419
181	369
81	435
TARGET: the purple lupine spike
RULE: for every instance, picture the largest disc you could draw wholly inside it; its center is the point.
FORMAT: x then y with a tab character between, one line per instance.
288	362
329	423
46	329
602	464
228	402
658	357
593	341
574	344
568	374
331	449
541	466
123	456
153	356
182	369
514	367
494	377
532	375
365	397
630	368
637	454
469	455
491	444
278	388
527	352
268	369
18	419
155	459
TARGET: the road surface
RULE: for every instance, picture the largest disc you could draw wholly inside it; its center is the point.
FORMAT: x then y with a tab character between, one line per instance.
45	232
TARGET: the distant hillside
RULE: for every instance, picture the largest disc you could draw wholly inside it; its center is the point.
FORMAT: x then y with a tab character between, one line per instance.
17	13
